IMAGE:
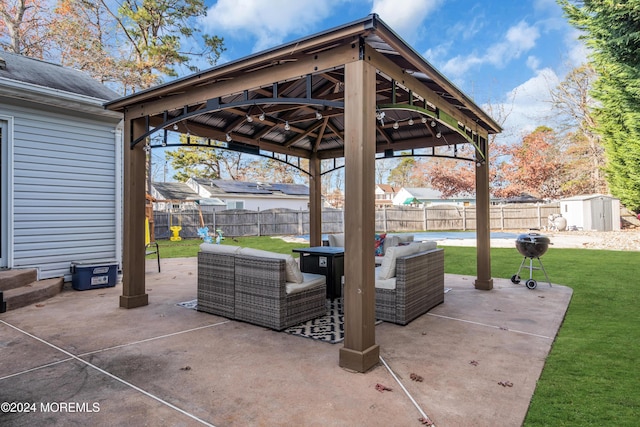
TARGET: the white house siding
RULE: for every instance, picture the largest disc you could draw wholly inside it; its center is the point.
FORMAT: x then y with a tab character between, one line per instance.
64	189
263	204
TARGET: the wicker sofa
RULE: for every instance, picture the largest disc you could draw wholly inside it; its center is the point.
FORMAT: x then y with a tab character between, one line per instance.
389	241
409	282
259	287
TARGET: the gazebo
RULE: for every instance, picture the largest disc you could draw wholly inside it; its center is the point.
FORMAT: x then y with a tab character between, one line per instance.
356	92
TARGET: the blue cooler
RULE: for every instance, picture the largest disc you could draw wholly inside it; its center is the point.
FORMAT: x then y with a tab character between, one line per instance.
93	274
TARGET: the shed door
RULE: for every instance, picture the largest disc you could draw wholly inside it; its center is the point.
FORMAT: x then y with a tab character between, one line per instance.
601	214
4	190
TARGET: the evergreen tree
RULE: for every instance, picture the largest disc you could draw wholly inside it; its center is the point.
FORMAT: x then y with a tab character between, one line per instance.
612	31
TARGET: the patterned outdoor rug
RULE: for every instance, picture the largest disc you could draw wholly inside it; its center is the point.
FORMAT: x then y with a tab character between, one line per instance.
193	304
328	328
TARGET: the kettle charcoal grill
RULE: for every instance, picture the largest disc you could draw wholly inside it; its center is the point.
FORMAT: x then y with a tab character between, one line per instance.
530	246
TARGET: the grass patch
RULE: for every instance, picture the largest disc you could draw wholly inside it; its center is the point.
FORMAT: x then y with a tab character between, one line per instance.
591	375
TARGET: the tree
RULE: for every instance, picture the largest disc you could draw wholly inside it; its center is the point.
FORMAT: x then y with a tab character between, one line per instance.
212	163
535	166
271	170
401	175
24	27
573	104
612	31
449	176
153	31
83	31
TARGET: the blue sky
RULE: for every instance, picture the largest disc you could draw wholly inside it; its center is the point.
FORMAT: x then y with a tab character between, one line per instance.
506	53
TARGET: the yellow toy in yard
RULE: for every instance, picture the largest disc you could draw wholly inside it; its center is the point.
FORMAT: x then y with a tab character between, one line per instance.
175	229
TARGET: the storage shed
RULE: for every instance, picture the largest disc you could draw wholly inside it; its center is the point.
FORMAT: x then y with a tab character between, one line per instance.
591	212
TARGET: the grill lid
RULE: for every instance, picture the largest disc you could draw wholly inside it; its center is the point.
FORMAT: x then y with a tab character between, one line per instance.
533	238
532	245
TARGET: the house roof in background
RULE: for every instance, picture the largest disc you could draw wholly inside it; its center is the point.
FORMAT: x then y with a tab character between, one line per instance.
387	188
432	194
175	191
221	187
23	69
424	193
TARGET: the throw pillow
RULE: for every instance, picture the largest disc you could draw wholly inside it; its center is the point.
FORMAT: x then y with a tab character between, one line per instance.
379	244
292	270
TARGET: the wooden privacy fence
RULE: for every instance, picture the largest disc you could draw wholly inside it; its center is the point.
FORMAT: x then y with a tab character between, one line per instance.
277	222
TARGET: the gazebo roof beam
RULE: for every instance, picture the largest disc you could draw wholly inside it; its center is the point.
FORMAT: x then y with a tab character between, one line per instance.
406	52
308	133
257	79
392	70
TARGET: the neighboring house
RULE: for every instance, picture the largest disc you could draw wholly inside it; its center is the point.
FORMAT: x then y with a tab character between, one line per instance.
384	195
428	197
252	195
172	196
60	171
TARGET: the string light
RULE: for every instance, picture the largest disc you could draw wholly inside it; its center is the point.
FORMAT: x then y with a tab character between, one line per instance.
228	137
286	125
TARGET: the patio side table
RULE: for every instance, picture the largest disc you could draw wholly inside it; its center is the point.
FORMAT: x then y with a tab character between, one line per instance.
325	260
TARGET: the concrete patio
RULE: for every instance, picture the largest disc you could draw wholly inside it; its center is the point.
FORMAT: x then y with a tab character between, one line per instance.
479	354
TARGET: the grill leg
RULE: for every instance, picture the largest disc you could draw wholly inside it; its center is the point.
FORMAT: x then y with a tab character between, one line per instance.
521	264
545	272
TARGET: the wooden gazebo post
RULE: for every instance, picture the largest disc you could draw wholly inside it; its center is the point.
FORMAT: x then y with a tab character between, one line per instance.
360	351
484	280
315	201
133	263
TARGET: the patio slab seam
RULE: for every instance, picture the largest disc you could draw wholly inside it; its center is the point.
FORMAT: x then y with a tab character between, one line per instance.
502	328
110	375
90	353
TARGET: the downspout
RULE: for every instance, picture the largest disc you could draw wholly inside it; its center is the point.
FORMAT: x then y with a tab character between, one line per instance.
118	183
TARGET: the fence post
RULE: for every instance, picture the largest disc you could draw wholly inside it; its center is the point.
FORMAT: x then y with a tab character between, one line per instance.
259	234
424	211
214	219
384	218
464	218
300	229
502	217
539	217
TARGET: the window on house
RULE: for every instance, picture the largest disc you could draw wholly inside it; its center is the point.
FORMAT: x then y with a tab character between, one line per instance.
235	204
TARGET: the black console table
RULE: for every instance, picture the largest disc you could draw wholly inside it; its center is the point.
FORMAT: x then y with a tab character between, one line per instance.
325	260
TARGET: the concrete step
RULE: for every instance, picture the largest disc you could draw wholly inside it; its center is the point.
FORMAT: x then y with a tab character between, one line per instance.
11	279
32	293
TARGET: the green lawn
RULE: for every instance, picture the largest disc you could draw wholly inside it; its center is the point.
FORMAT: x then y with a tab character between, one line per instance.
592	375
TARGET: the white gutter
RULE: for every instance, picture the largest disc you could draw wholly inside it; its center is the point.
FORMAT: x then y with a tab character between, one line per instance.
54	97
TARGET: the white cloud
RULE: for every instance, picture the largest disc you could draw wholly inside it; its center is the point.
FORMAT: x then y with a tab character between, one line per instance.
518	40
269	24
405	17
577	51
533	62
528	106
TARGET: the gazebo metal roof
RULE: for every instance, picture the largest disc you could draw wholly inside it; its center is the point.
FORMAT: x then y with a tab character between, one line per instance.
290	100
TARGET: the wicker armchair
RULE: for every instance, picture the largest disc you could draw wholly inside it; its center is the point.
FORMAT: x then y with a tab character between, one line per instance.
216	283
418	287
259	287
262	296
